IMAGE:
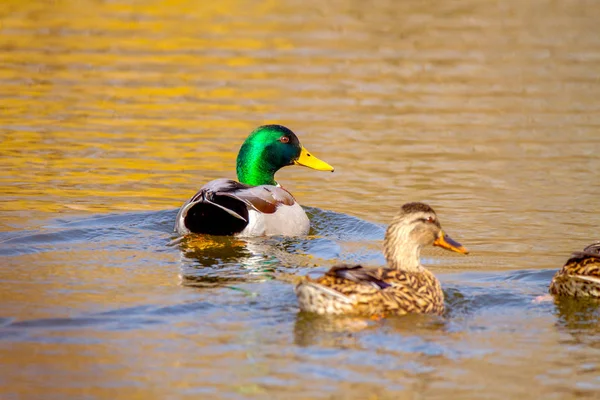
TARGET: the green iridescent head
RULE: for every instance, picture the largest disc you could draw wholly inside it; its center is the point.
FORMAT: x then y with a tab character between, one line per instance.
268	149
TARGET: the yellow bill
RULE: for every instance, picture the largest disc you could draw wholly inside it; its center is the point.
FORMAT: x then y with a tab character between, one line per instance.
308	160
446	242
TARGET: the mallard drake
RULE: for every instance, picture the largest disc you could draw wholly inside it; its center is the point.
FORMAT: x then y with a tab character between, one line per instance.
256	205
580	276
403	287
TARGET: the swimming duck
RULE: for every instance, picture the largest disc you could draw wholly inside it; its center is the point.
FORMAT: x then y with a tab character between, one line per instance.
580	276
403	287
256	205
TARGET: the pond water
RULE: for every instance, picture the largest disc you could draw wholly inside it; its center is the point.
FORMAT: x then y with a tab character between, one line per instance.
114	113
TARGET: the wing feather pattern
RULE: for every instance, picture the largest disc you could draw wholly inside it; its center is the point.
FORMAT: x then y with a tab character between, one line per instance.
221	206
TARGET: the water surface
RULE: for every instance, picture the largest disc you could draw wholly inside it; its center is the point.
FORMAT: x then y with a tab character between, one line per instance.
114	113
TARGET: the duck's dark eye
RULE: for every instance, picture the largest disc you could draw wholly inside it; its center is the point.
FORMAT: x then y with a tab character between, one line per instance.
284	139
430	220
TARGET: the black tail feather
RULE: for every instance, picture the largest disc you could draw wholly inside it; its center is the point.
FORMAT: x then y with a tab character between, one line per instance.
207	218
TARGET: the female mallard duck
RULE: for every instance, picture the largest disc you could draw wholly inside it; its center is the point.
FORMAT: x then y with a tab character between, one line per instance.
403	287
580	276
256	205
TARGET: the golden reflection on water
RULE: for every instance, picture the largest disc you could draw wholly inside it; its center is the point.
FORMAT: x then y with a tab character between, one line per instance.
486	110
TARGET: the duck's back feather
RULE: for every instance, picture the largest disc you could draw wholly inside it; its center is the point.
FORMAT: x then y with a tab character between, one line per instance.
358	274
372	291
227	207
580	276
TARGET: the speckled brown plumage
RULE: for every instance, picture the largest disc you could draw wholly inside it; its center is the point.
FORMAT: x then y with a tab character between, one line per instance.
373	291
403	287
580	276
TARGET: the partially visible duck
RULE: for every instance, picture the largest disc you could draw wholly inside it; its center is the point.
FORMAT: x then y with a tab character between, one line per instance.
580	276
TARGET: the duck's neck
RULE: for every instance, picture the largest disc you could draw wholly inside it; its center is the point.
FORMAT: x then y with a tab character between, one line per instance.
400	252
253	169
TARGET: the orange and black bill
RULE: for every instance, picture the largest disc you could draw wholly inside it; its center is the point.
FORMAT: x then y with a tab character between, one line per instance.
446	242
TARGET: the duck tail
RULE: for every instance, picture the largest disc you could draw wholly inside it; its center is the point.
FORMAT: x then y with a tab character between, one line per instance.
320	299
212	213
207	200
